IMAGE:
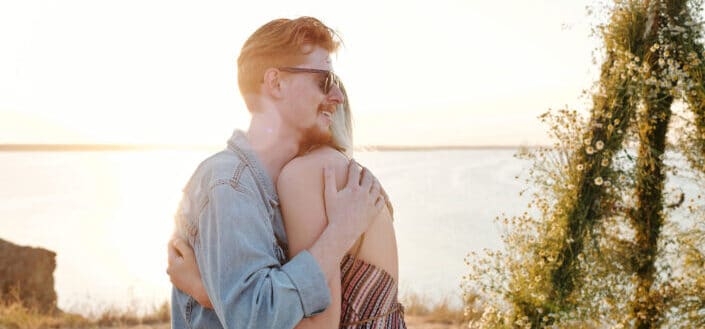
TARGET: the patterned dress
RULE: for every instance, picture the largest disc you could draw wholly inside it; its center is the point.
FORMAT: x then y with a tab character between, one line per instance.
369	296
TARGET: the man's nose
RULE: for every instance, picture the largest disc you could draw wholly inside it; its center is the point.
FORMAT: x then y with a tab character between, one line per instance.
336	96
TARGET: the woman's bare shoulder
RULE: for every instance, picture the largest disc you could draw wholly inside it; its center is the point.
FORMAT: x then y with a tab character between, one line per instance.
310	166
325	154
318	158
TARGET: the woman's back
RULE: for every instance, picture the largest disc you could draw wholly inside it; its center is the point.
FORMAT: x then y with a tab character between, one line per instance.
369	272
379	247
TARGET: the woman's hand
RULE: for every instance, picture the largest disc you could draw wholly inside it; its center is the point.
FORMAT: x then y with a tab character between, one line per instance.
183	271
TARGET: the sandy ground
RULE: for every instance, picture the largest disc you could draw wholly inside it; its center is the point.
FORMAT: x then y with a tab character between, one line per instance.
414	322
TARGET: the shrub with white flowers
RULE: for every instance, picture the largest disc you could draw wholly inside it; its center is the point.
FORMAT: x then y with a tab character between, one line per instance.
589	251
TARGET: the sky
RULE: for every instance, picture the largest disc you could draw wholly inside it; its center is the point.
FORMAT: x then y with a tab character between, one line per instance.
464	72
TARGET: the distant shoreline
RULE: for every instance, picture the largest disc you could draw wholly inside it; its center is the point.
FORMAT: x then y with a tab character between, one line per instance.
135	147
96	147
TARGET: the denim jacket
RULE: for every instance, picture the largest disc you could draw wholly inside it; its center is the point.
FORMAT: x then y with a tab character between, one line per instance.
230	216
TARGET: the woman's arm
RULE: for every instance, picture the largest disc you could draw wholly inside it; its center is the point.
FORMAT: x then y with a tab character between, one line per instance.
300	189
183	271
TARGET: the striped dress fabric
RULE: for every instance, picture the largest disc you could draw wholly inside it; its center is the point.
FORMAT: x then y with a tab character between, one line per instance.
369	297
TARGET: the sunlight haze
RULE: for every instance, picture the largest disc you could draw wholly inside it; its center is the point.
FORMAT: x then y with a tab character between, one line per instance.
164	72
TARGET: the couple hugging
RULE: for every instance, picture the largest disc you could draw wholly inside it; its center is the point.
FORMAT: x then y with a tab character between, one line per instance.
283	229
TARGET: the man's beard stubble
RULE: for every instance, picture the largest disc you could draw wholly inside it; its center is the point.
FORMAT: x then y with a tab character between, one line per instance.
314	136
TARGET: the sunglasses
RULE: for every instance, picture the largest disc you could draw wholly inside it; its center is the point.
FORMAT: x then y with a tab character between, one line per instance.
331	80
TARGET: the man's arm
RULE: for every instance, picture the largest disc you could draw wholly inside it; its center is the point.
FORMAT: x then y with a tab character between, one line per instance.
300	188
247	285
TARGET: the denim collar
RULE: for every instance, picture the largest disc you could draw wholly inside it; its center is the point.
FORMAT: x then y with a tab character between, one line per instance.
239	144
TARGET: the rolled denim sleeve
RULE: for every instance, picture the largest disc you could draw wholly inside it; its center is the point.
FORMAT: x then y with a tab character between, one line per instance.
304	272
247	285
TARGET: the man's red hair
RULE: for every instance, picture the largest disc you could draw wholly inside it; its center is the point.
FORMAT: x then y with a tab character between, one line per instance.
281	42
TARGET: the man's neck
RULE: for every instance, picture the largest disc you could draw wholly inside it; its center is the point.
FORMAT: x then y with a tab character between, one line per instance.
272	143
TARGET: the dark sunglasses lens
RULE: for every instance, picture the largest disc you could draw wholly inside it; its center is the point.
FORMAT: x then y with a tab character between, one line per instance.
326	84
331	81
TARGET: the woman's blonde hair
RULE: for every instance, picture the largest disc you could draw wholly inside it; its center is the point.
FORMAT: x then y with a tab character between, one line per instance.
342	135
341	128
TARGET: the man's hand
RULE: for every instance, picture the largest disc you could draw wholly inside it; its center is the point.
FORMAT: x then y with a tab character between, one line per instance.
351	210
183	271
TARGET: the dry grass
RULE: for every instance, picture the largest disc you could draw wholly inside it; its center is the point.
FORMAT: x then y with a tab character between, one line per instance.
16	315
420	312
441	312
131	317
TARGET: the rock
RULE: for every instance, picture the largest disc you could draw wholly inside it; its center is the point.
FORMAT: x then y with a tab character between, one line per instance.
27	274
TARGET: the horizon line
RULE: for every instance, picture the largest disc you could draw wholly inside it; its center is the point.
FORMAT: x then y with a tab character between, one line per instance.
153	147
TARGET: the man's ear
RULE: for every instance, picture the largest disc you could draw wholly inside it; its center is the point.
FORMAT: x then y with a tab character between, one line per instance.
272	83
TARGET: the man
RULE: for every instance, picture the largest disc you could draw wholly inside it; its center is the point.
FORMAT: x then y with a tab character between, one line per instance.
229	213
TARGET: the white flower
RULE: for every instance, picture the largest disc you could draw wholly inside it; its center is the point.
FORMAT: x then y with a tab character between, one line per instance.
590	150
605	162
599	145
598	181
580	167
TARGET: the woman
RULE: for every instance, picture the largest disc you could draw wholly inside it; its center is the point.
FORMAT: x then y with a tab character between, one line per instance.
366	294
